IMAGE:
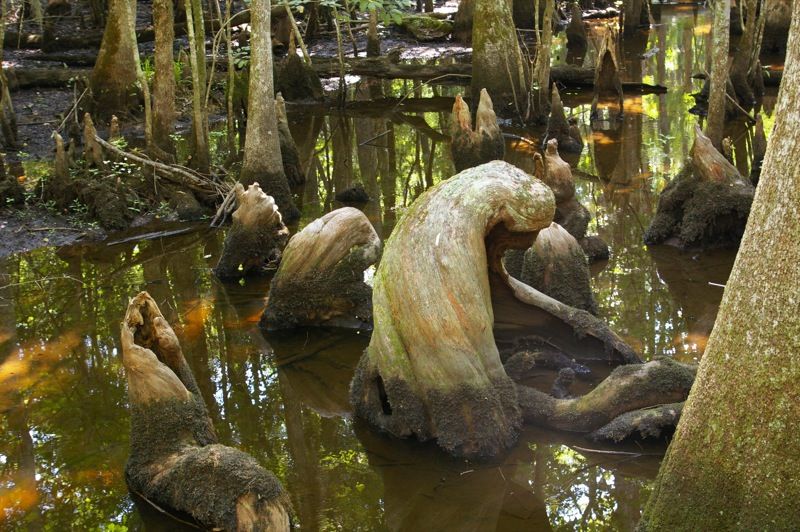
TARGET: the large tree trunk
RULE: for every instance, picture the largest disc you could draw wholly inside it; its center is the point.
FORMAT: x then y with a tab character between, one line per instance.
719	72
114	77
164	78
497	64
262	152
433	369
735	458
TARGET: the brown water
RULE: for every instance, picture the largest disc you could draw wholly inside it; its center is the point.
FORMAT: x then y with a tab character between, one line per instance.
64	428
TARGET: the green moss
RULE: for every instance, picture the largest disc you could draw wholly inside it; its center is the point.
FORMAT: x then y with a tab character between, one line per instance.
427	28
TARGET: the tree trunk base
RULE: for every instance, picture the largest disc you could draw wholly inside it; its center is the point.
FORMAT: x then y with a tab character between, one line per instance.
174	459
320	281
256	237
705	206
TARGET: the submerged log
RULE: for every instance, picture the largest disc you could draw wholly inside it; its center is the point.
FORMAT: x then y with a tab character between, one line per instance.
320	280
556	265
706	205
175	460
382	67
432	369
472	147
628	389
256	237
568	136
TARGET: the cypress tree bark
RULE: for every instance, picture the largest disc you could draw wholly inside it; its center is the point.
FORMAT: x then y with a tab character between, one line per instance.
164	79
262	152
735	460
719	72
497	64
114	77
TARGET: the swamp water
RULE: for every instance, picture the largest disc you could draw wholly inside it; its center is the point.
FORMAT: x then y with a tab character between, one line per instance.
64	426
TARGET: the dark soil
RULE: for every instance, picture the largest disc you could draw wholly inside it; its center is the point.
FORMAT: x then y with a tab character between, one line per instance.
37	227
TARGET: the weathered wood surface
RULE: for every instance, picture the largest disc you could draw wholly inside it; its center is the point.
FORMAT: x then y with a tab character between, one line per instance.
256	237
320	280
175	461
432	369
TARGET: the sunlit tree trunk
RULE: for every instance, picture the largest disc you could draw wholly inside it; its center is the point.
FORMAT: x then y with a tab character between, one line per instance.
735	458
497	64
114	77
719	72
262	152
164	78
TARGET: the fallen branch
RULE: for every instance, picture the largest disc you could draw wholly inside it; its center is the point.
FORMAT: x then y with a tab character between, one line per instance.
171	173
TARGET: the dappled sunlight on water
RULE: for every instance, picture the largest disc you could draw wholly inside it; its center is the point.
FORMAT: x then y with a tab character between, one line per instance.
284	398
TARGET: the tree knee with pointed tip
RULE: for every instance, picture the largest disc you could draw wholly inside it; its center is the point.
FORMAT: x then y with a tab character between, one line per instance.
175	460
256	236
472	147
706	205
432	369
320	280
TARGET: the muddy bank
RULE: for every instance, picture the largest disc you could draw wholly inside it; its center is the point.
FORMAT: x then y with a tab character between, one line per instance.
35	227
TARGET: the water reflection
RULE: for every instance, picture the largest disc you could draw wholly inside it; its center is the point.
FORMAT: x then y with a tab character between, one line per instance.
283	398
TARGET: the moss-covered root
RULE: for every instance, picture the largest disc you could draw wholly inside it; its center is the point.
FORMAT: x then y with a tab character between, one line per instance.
629	388
706	205
320	280
556	265
647	423
473	147
432	369
256	237
174	459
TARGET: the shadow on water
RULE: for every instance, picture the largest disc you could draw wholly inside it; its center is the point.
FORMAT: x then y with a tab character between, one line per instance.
64	428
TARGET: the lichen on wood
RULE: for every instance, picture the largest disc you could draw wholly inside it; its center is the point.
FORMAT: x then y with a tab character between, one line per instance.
432	369
175	461
320	280
256	237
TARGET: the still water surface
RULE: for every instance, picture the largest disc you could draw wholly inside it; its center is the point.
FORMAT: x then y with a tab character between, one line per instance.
64	424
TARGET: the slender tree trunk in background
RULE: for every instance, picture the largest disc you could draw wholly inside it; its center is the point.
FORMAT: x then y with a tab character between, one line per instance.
164	78
497	64
541	92
719	72
114	78
262	152
734	462
200	158
8	118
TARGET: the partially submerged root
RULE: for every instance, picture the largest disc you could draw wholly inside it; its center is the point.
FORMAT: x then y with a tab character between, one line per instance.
175	460
557	266
472	147
256	237
523	364
706	205
320	280
432	369
647	423
629	388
